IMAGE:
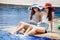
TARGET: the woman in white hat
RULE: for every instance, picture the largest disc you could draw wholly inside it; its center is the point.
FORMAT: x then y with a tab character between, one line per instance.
31	27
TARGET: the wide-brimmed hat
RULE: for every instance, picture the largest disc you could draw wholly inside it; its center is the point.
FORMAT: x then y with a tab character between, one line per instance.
47	5
36	5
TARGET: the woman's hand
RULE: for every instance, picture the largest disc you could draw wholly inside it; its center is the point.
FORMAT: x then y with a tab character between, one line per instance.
38	24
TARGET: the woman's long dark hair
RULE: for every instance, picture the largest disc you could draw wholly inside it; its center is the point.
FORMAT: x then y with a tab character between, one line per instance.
49	14
33	12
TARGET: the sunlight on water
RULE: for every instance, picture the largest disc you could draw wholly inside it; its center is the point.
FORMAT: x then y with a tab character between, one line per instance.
7	36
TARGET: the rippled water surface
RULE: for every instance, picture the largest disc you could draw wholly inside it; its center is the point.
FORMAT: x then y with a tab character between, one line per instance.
7	36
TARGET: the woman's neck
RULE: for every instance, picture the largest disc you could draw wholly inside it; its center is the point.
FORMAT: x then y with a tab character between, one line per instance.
37	12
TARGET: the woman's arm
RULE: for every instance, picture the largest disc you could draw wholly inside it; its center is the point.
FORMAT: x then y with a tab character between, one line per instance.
30	17
52	16
40	17
52	21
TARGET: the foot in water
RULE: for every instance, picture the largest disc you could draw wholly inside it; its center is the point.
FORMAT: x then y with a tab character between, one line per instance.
18	34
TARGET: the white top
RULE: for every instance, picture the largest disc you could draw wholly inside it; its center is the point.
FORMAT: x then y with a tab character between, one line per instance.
44	19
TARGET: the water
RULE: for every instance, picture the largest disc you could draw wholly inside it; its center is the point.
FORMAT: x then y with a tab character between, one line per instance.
7	36
12	15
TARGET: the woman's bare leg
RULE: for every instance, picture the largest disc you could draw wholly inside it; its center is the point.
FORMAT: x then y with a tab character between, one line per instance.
28	29
35	30
18	29
21	25
32	31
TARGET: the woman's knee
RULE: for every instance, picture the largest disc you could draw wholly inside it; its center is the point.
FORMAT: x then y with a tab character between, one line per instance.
32	31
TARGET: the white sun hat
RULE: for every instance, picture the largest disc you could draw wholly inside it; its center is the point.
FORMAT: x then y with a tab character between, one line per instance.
36	5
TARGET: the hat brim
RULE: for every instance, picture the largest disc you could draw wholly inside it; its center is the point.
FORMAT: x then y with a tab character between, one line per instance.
48	6
35	7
